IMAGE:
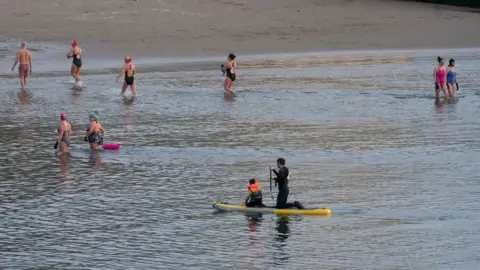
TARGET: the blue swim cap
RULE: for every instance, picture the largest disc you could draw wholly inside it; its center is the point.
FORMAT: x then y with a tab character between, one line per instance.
94	115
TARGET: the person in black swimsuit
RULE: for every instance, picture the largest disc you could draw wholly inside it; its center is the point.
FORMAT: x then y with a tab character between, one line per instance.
76	54
229	71
129	70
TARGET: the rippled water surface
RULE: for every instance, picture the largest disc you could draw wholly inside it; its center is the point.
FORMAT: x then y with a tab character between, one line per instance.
364	139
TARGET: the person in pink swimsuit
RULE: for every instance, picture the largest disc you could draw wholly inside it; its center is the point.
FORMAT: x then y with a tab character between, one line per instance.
440	77
24	56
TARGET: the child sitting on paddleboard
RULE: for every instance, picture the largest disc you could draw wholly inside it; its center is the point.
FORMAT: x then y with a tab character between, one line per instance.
254	198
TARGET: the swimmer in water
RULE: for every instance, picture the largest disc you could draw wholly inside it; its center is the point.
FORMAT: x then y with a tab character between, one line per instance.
24	56
230	72
76	54
451	78
64	131
440	77
95	131
129	70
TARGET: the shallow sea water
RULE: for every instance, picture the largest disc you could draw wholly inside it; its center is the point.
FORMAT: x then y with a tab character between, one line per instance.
362	138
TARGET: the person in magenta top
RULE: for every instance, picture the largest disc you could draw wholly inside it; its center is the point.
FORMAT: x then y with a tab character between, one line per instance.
440	77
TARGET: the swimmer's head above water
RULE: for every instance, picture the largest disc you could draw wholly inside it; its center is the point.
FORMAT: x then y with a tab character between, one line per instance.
74	43
231	57
440	61
93	116
63	116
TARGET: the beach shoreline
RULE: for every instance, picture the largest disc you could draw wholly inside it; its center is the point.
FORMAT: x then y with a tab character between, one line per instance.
196	28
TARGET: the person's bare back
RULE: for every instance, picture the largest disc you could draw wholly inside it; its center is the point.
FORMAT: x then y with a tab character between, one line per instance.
24	56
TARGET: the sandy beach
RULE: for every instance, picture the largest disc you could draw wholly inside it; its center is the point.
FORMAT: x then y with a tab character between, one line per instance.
164	28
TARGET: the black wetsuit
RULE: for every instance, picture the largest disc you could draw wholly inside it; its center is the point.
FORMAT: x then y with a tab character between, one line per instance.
77	61
283	191
230	74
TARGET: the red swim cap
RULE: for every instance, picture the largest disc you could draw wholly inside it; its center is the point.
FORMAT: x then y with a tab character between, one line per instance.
128	59
63	116
74	43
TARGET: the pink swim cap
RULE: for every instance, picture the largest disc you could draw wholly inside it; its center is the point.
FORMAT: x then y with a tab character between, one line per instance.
63	116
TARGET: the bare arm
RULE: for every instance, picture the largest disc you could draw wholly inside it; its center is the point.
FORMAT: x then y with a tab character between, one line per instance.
16	60
70	54
61	131
248	197
30	60
103	131
121	73
435	75
90	129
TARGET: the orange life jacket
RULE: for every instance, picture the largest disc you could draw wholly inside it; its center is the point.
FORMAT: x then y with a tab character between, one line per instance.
254	187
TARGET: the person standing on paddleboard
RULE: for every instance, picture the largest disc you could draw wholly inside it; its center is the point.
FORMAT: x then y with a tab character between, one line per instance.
255	196
24	56
64	131
229	72
95	131
76	54
129	70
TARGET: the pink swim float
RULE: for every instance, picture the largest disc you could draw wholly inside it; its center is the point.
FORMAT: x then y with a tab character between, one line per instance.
111	146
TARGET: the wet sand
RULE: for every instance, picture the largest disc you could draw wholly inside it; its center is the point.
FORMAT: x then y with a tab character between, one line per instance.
166	28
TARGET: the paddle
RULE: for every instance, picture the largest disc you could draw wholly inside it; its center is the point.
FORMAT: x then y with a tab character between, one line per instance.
271	192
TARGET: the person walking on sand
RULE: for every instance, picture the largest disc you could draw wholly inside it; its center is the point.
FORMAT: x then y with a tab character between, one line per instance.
440	77
24	56
129	70
229	71
76	54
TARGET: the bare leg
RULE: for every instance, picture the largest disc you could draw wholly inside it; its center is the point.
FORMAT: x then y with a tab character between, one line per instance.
77	74
226	83
73	69
444	89
134	89
63	147
124	88
22	81
451	90
23	78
